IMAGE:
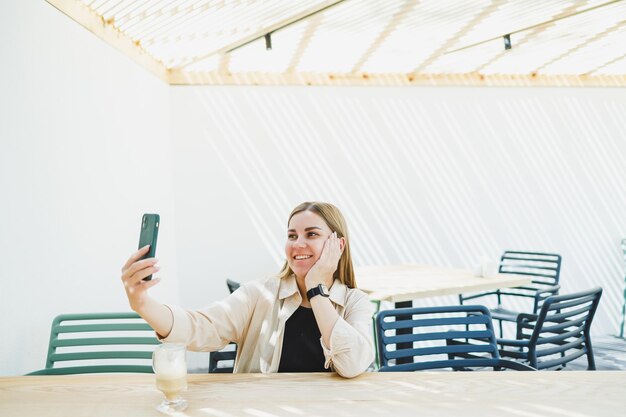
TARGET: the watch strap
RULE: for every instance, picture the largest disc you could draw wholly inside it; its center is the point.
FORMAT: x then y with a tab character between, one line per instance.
316	291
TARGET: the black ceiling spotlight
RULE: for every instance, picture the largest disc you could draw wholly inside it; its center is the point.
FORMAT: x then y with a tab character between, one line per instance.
507	41
272	28
268	41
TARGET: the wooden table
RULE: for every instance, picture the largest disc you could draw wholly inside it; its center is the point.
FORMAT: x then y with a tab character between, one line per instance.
459	394
402	283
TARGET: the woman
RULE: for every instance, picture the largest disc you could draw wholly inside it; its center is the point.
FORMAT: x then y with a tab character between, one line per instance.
308	318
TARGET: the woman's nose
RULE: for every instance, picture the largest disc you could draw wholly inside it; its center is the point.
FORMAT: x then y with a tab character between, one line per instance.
300	243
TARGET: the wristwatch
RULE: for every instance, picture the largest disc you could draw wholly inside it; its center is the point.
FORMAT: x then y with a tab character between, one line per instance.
319	290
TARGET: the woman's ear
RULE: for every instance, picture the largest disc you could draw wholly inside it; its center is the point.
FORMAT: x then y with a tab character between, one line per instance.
342	243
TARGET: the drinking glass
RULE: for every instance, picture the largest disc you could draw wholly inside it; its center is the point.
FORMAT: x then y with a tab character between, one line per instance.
170	367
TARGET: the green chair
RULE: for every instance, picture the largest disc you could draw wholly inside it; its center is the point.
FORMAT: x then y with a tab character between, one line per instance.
621	328
99	342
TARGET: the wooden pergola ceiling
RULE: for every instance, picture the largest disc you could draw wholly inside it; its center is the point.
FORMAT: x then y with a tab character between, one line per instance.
366	42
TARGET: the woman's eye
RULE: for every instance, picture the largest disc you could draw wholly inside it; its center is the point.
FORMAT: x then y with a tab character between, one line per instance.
313	234
291	237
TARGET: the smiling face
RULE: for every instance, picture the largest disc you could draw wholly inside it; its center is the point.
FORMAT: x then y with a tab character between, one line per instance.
306	235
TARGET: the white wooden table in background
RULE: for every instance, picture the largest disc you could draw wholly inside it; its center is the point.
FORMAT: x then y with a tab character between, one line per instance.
401	283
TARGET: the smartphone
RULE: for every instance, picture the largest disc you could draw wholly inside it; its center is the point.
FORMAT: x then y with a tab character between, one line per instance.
148	235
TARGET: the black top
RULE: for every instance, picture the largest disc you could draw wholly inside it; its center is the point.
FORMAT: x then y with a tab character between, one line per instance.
302	350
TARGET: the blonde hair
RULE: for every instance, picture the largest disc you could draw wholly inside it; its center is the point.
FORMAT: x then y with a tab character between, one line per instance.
335	221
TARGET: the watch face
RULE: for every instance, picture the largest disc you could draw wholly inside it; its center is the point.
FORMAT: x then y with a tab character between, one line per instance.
324	290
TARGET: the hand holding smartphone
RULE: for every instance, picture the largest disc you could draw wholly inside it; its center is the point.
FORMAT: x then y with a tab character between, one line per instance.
148	235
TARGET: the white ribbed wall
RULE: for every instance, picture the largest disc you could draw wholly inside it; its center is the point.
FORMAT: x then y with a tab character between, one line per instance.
427	175
84	151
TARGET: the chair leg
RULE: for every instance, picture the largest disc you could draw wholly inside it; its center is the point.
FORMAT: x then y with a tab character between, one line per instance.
591	362
501	329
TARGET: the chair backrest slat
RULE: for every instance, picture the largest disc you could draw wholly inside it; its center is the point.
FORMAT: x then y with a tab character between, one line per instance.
95	341
561	359
421	337
562	305
564	325
560	337
559	317
115	354
560	348
448	321
108	327
403	353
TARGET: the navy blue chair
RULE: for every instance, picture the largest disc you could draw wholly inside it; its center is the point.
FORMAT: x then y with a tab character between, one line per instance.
545	270
232	285
223	361
560	333
457	337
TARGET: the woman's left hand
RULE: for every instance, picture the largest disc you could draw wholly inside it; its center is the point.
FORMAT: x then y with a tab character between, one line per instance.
322	271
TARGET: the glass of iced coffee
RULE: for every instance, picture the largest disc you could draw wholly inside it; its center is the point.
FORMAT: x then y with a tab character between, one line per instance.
170	367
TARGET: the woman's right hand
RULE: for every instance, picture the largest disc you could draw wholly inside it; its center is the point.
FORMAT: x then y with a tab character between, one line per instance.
133	273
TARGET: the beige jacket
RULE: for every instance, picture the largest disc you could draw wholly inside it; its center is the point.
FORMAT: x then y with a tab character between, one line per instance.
254	317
